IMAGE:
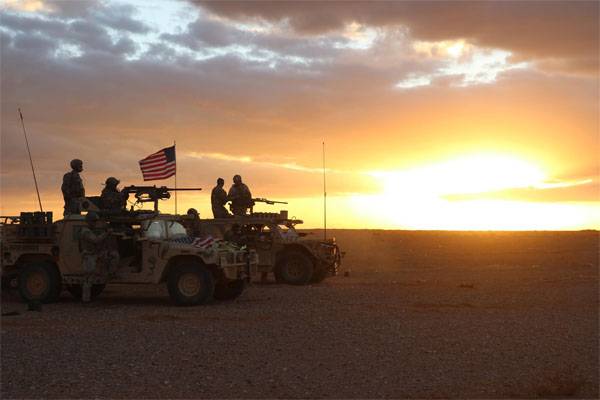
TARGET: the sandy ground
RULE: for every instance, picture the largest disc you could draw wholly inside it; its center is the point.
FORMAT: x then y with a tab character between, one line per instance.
421	315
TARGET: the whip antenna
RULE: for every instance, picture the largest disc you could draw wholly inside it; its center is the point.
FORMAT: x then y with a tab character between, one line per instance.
31	161
324	197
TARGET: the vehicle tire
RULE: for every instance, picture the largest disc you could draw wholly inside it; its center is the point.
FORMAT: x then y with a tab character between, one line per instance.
77	291
229	290
39	281
319	274
190	284
296	268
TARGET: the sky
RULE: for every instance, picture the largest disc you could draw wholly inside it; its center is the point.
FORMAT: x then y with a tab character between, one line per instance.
435	115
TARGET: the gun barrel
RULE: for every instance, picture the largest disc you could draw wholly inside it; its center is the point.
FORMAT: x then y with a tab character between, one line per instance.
263	200
170	189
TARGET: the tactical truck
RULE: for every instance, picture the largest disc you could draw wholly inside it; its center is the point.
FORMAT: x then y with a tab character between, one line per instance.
43	257
290	255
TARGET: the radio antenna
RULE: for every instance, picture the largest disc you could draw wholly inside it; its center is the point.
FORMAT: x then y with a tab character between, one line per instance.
37	190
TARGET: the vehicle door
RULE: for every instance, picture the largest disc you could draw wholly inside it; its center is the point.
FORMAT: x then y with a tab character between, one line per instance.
70	259
155	234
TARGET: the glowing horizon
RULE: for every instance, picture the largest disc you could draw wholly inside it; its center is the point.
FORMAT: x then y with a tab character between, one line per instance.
420	198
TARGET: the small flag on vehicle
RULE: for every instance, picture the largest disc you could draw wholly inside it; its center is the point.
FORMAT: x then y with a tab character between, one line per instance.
159	165
204	243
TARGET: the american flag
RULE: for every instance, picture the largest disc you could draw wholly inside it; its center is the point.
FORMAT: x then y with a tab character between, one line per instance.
159	165
202	243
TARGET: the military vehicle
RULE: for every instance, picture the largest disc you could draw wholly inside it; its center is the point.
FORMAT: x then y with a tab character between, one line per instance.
292	257
153	248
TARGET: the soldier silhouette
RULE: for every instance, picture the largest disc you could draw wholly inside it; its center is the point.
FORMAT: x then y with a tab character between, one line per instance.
112	200
240	196
218	199
72	188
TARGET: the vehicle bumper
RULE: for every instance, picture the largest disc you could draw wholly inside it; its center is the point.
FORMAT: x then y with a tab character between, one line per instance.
331	258
240	265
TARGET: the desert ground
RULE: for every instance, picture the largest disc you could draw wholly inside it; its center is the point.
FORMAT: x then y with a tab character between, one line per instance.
419	315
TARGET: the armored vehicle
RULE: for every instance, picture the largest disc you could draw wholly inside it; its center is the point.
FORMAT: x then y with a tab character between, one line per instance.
291	256
152	248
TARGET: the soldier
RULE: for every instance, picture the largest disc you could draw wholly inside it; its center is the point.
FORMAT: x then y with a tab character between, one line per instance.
194	227
240	196
112	200
91	245
218	199
72	188
235	235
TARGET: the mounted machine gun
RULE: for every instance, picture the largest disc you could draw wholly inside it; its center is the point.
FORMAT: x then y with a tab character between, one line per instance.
152	194
266	201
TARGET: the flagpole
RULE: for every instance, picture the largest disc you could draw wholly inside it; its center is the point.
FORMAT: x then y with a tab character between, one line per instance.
175	150
324	197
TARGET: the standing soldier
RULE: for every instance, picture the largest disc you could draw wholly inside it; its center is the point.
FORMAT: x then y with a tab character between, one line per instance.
218	199
112	200
240	196
72	188
91	244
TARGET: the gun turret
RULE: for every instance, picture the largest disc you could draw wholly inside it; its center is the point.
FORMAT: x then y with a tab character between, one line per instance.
152	194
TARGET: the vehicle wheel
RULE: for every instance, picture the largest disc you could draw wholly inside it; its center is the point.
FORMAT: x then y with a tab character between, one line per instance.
229	290
77	291
190	284
296	268
39	281
319	275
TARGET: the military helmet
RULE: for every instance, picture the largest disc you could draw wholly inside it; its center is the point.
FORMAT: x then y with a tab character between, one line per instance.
192	211
76	163
112	181
91	216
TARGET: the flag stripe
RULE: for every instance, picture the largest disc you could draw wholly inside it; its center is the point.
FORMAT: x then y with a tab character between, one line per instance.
159	168
153	164
161	175
159	165
162	168
154	156
153	160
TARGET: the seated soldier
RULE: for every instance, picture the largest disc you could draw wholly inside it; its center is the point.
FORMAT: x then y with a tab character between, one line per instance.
193	227
112	201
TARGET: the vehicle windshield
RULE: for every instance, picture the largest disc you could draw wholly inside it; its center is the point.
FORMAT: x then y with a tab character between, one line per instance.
175	230
155	230
287	232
